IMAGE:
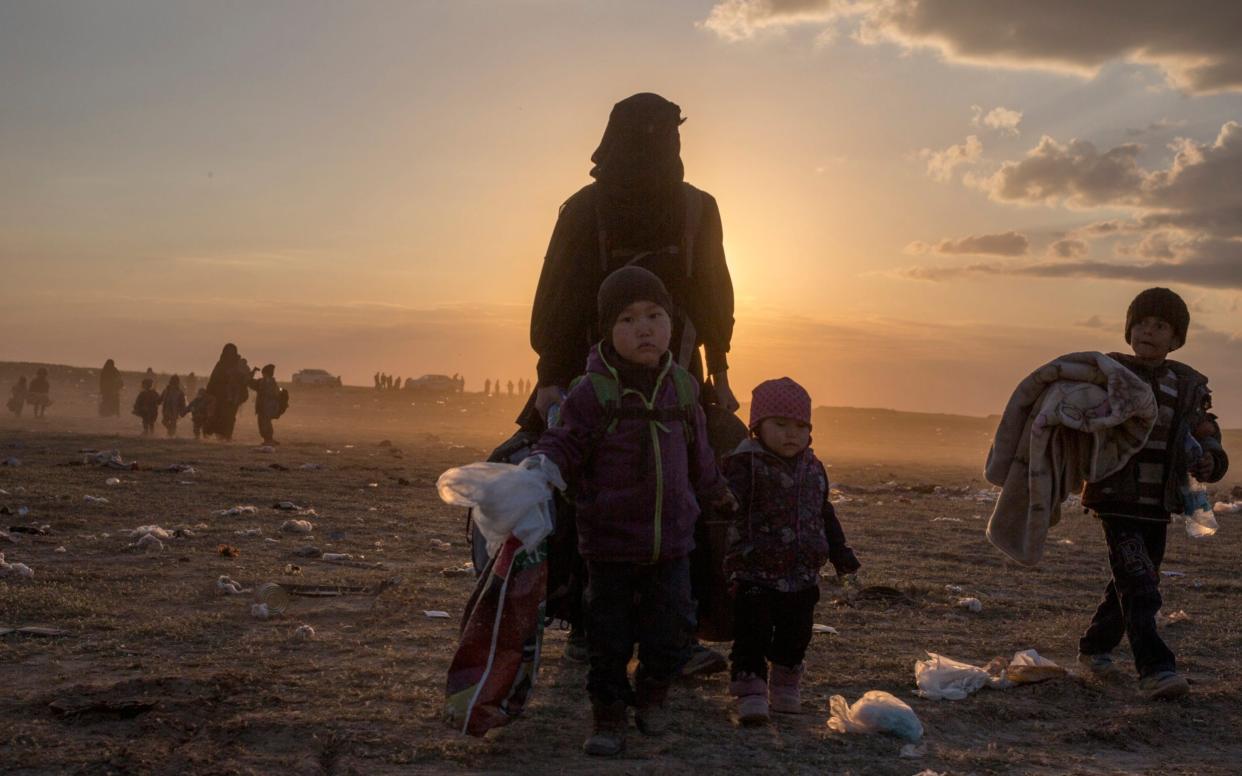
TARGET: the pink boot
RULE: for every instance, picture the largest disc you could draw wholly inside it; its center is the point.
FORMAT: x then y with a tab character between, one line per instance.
785	696
752	699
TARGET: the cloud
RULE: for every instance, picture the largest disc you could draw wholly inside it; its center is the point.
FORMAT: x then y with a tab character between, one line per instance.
1068	248
1212	264
1075	173
1195	46
941	164
1001	119
736	20
1004	244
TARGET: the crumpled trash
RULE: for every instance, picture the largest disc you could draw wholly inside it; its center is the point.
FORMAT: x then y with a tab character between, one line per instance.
435	614
110	459
336	556
818	628
238	510
60	550
304	633
506	499
228	586
439	544
467	569
1172	618
249	532
943	678
15	569
297	526
149	543
875	712
14	462
112	481
1227	507
94	499
913	752
287	506
152	530
970	604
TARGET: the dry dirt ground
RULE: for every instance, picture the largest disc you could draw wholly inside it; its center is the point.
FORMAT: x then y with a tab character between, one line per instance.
159	673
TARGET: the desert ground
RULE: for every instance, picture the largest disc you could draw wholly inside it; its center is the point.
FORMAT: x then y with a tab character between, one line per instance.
157	671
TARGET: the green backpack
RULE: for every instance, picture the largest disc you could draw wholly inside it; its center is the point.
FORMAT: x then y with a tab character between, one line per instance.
608	393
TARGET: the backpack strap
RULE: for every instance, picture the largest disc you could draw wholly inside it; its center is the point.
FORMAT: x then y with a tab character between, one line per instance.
687	401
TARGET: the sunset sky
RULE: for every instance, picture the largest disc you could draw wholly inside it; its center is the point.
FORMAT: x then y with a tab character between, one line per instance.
923	200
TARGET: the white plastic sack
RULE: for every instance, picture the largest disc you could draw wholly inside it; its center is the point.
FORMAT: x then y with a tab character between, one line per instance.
875	712
943	678
506	499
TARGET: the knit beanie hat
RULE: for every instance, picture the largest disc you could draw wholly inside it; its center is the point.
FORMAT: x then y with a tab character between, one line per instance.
625	287
1163	304
780	398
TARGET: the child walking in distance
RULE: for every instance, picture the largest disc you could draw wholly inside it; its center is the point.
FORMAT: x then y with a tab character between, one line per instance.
198	410
39	397
147	406
172	405
784	531
1134	504
632	443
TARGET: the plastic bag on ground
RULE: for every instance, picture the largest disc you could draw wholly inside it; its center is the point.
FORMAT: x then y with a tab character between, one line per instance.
875	712
506	499
1028	667
943	678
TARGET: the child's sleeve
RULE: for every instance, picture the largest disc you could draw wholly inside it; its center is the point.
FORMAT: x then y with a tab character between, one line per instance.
840	554
568	443
705	474
1207	433
737	471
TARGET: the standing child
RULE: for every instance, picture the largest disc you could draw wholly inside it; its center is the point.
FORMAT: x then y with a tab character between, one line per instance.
784	532
267	402
17	397
198	410
147	406
1134	504
172	405
632	441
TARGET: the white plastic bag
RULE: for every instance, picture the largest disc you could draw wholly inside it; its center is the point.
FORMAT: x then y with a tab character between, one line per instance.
506	499
943	678
875	712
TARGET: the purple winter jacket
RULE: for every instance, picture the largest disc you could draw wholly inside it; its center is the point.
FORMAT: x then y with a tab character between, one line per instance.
635	486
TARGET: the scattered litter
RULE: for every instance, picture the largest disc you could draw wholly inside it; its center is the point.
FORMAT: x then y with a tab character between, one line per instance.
149	543
946	519
875	712
15	569
1172	573
112	481
435	614
1172	618
304	633
183	533
179	468
238	510
249	532
293	570
954	589
273	597
34	630
297	526
201	527
818	628
437	544
265	449
227	551
60	550
970	604
14	462
95	499
260	611
334	556
310	467
913	752
1227	507
1065	541
372	484
943	678
149	530
459	571
109	458
309	551
1028	667
227	586
287	506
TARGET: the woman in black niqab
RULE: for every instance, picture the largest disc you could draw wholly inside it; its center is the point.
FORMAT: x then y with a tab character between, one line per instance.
110	384
225	392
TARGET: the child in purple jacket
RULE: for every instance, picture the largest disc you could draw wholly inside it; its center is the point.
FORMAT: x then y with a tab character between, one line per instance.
784	532
636	455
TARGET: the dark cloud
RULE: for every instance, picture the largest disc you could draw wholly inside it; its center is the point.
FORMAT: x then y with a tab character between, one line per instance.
1068	248
1195	45
1076	173
1004	244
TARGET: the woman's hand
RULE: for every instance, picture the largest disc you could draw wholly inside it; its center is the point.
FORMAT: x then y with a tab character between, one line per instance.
724	394
545	397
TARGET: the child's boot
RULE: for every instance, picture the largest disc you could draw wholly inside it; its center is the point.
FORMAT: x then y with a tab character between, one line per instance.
785	694
609	720
752	699
650	714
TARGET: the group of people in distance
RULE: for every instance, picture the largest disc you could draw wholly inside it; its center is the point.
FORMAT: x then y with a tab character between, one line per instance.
633	284
213	409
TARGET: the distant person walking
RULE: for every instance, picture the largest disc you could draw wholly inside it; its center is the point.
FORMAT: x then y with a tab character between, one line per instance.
172	405
39	396
17	397
110	384
147	406
190	384
198	410
269	402
226	391
509	386
487	387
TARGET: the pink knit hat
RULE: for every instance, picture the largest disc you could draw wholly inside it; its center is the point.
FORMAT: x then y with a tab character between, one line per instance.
780	398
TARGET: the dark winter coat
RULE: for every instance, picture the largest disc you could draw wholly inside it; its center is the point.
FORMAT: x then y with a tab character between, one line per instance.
147	405
1119	492
785	528
635	486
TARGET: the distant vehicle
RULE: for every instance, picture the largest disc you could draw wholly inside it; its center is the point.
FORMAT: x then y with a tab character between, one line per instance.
438	385
315	377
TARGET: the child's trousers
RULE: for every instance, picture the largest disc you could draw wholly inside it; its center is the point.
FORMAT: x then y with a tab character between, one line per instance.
1132	598
769	625
628	603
